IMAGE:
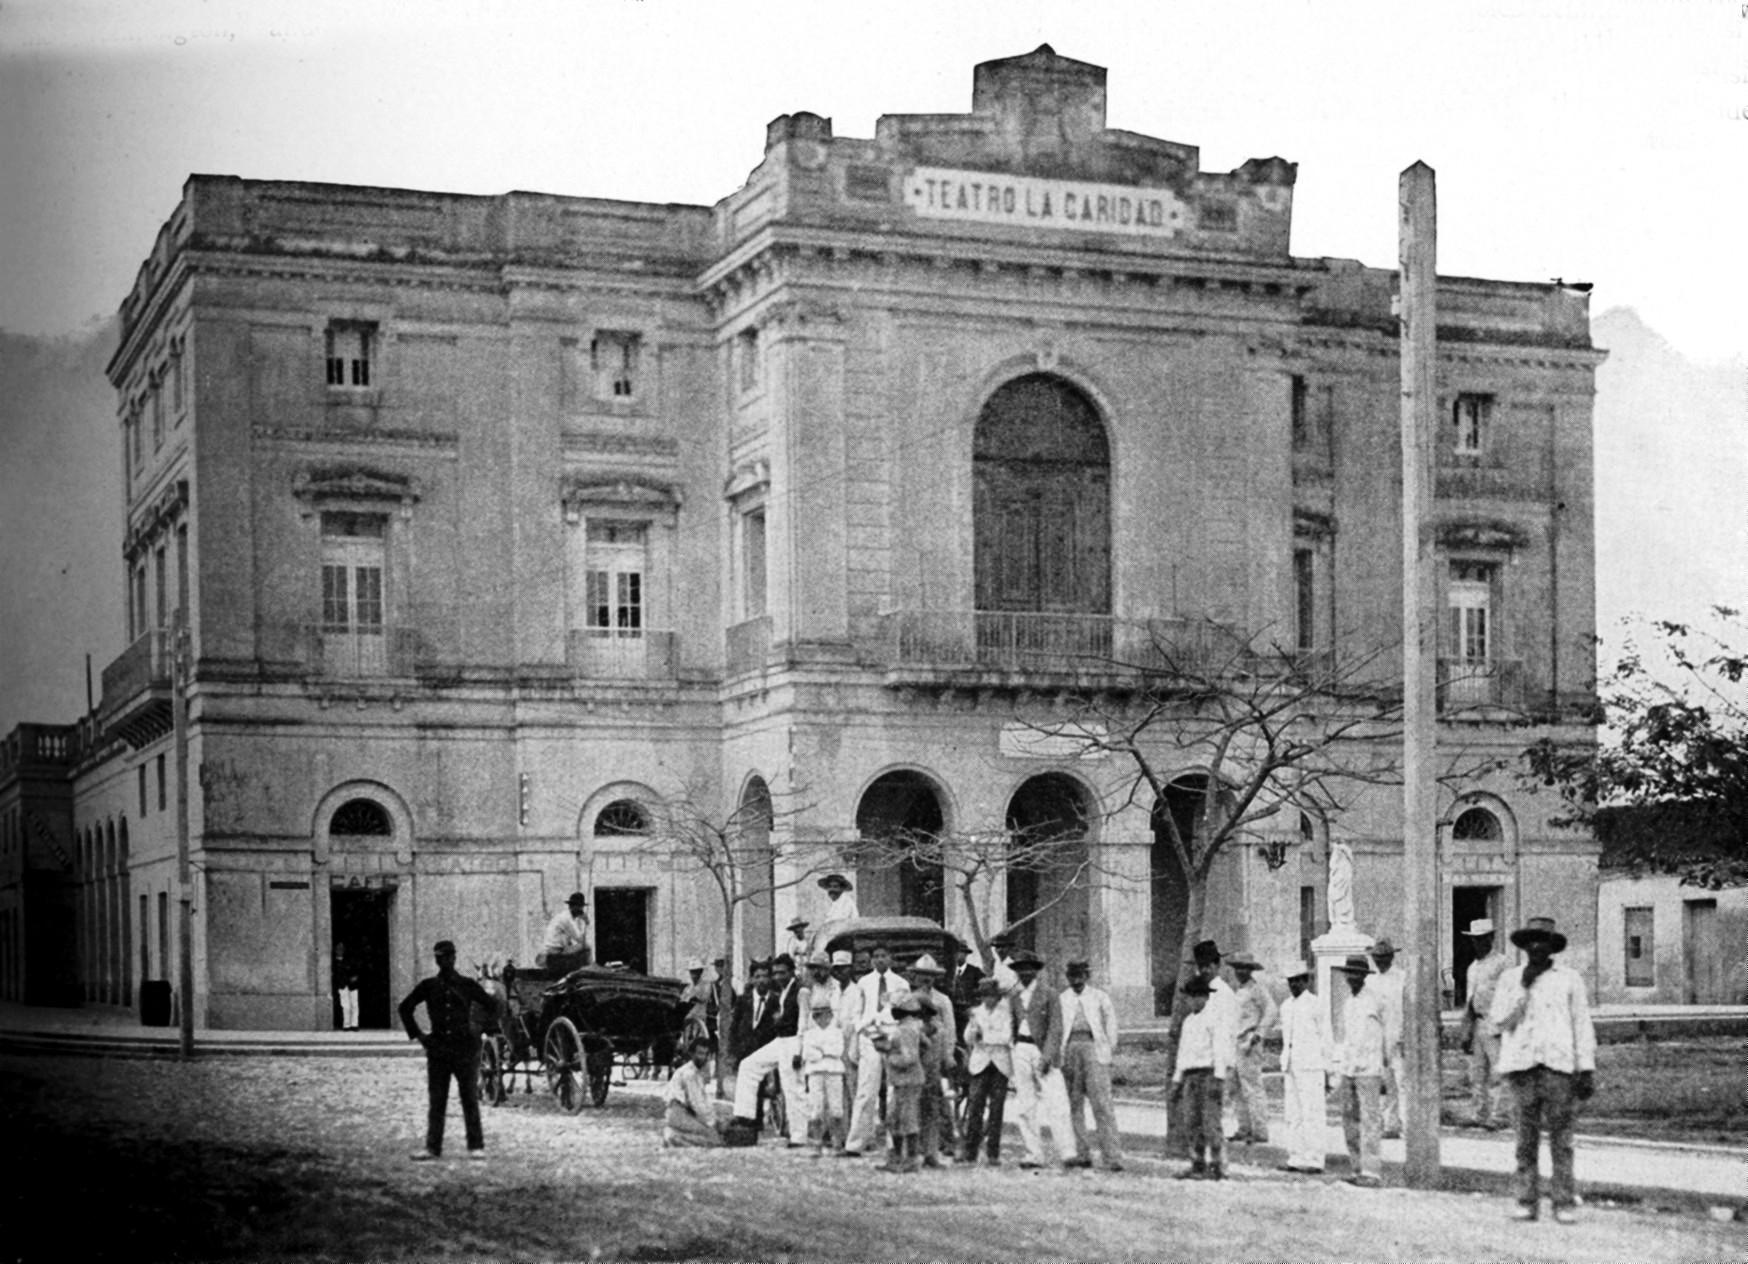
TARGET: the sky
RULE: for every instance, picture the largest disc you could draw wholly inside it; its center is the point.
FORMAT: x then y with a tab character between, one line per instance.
1603	142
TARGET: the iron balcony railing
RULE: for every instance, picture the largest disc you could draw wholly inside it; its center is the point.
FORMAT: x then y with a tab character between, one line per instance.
1035	641
354	653
145	665
1466	683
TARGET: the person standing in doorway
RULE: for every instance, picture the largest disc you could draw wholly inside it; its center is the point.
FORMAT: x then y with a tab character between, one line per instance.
1480	1037
1305	1056
346	988
451	1047
1547	1053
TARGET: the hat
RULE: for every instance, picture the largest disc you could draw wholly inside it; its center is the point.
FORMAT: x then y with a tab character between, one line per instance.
1197	987
912	1003
1383	948
576	897
925	964
1026	957
799	923
1077	967
696	963
836	879
818	957
1356	964
758	963
1480	926
843	957
1295	970
1243	961
448	946
1538	928
988	983
1206	953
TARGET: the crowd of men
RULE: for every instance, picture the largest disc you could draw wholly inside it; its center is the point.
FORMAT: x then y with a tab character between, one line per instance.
857	1050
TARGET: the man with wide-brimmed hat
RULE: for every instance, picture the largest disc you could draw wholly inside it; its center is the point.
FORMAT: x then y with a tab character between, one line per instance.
1480	1037
1305	1057
1360	1065
937	1120
566	945
1547	1053
1089	1038
1387	986
842	894
1256	1017
1040	1097
796	944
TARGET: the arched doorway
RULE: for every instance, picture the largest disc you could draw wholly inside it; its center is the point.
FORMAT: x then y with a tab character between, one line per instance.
1182	802
898	806
1041	511
759	913
1047	822
360	916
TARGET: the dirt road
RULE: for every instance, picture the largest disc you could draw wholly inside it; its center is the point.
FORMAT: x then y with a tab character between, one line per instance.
251	1158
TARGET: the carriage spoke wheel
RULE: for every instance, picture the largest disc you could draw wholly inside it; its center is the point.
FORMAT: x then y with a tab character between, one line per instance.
600	1074
562	1057
492	1049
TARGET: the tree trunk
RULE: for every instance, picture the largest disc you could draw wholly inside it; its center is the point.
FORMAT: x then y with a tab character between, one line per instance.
1176	1142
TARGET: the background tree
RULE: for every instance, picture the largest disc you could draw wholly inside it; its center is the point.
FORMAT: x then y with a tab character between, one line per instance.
1667	787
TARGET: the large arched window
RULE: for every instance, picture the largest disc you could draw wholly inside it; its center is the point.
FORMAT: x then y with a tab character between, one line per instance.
621	818
1042	501
361	818
1477	825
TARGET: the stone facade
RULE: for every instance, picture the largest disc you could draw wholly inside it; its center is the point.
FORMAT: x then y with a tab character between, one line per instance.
492	528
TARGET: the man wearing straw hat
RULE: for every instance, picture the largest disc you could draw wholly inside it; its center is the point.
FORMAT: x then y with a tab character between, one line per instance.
1480	1037
1547	1053
1360	1064
1305	1055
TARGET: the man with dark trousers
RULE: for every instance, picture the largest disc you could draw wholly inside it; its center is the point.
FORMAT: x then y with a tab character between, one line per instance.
451	1048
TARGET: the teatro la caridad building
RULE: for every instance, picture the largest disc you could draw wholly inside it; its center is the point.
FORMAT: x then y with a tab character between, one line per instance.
479	532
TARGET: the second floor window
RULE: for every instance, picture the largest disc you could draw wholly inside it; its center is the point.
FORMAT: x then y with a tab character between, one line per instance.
1472	630
1472	415
613	358
352	594
613	580
351	346
157	414
747	353
1304	599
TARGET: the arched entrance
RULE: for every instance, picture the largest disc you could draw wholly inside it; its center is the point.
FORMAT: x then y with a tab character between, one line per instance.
1041	510
898	806
758	914
1047	822
360	915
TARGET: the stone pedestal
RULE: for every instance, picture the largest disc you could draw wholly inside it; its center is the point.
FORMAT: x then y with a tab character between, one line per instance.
1330	951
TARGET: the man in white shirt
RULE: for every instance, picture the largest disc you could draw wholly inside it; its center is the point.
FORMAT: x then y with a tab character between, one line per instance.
1480	1037
1387	986
1305	1057
842	908
1360	1064
1089	1038
1547	1053
1257	1015
566	946
876	993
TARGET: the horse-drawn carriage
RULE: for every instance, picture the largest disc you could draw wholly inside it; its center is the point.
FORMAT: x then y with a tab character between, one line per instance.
572	1029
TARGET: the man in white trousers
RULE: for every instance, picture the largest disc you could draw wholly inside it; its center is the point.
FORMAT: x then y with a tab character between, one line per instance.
875	993
1305	1057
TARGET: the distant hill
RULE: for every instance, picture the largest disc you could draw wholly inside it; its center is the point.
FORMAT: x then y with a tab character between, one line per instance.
61	588
1671	477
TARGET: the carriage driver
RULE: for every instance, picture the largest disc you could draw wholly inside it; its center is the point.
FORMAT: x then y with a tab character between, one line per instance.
566	947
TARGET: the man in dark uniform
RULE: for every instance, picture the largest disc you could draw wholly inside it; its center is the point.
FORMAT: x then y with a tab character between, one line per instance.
451	1047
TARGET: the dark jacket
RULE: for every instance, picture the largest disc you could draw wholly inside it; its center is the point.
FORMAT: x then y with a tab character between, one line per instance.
787	1021
448	1008
1044	1015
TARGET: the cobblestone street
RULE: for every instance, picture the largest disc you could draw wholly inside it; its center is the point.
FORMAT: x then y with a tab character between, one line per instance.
308	1158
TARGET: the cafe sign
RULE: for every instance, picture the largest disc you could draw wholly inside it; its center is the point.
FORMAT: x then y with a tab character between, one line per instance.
989	198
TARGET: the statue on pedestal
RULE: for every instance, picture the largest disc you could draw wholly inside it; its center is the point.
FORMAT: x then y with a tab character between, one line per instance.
1341	911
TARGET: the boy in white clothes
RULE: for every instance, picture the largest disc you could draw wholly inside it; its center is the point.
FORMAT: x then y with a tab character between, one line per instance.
822	1063
1305	1056
1204	1062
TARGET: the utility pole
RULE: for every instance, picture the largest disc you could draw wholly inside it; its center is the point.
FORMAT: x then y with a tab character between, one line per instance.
1419	324
181	670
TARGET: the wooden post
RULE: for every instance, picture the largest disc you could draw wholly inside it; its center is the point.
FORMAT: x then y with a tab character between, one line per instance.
1420	1027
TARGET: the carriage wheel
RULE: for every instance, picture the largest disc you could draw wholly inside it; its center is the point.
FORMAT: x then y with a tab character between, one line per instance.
492	1049
563	1060
600	1074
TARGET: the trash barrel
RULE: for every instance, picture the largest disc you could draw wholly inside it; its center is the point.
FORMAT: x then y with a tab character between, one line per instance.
155	1002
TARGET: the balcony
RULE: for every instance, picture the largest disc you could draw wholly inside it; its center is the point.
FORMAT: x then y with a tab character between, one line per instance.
387	650
959	646
137	690
623	655
1480	685
749	645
